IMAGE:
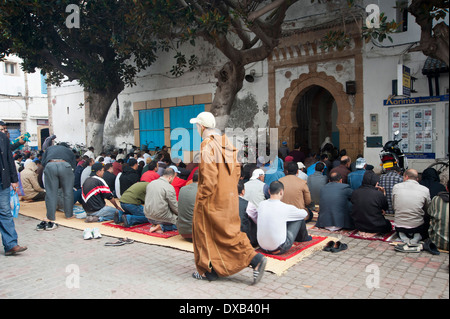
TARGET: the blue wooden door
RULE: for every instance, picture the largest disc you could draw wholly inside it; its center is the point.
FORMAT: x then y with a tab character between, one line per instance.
151	128
184	135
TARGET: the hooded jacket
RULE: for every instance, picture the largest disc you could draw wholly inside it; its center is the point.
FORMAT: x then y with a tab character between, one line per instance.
29	179
275	171
129	177
430	179
218	241
368	204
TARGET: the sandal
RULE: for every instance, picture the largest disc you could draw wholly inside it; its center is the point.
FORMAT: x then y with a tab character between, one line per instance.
329	246
117	243
338	247
127	240
405	248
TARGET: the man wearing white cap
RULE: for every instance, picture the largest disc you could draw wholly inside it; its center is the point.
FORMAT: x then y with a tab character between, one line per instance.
255	187
220	248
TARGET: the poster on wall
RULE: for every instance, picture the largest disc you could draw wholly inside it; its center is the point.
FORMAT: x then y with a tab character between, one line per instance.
416	126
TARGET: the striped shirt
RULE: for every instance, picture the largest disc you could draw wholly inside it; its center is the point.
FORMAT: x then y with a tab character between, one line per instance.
387	181
94	192
439	219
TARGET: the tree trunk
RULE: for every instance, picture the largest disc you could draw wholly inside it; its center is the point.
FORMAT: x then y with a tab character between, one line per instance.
230	81
97	107
434	41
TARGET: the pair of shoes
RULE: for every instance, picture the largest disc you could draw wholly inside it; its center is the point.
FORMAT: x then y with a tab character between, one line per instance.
91	219
335	247
46	226
258	271
408	248
91	233
16	249
120	242
339	247
431	247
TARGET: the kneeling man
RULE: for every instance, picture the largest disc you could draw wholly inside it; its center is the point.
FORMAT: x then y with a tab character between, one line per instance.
280	224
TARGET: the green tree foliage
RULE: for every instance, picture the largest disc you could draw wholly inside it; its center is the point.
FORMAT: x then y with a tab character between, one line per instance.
103	53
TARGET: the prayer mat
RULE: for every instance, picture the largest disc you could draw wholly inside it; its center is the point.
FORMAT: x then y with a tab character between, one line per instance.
143	229
388	237
391	236
279	266
344	232
296	248
371	236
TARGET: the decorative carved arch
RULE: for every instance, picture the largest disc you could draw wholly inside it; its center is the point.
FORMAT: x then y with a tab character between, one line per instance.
349	121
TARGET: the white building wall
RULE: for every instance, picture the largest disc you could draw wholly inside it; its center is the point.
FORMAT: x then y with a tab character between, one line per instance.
21	99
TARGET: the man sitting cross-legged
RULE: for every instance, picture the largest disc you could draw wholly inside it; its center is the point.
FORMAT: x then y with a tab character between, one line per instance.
280	224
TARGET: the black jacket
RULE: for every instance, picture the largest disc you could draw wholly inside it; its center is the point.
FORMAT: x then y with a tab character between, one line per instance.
129	177
430	179
7	166
367	206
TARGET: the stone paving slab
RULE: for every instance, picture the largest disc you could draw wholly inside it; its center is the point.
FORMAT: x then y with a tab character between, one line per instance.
60	264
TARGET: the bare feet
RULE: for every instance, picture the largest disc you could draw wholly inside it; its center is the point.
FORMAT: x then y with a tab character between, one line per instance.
156	229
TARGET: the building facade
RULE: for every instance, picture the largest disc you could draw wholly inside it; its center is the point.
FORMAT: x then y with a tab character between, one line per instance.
23	102
306	92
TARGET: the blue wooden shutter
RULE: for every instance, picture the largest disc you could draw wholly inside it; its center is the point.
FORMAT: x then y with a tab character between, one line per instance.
151	128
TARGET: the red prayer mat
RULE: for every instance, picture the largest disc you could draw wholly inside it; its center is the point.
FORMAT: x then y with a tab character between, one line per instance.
391	236
379	236
296	248
143	229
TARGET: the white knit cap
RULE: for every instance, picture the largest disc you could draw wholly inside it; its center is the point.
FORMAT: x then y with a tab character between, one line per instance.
206	119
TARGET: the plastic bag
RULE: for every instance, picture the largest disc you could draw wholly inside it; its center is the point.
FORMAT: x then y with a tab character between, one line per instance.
15	203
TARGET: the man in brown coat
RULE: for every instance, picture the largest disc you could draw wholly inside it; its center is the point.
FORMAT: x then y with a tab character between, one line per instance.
220	248
296	191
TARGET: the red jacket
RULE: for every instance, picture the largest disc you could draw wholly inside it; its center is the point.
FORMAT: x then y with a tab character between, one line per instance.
177	183
149	176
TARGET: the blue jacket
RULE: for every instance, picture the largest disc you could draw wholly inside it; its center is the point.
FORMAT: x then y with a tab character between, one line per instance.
275	171
335	206
354	179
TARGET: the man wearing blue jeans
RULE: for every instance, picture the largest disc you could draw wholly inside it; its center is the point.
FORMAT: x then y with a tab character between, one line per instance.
94	192
132	203
8	177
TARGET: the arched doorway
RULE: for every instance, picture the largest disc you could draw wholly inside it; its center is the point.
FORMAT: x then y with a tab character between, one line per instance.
348	115
316	118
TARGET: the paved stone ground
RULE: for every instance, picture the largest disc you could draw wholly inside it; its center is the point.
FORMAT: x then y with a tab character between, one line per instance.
61	264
